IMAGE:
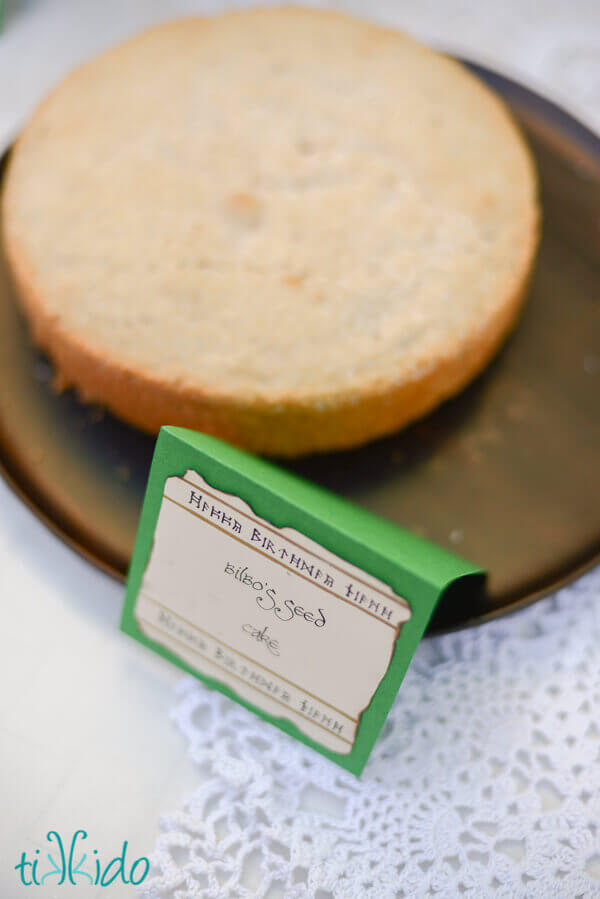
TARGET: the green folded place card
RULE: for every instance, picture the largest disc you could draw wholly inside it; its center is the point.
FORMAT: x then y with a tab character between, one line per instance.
295	603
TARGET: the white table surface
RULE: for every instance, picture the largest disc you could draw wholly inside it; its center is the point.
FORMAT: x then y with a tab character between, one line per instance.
85	733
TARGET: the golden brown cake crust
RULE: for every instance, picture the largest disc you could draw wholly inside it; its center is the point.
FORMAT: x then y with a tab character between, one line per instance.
339	415
289	430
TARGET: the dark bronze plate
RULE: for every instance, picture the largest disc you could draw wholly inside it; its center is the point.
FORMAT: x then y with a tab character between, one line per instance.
507	474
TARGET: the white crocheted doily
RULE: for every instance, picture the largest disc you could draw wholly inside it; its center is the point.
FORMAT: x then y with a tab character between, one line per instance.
485	780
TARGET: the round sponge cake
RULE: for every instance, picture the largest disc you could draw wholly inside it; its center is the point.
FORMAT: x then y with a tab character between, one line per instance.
288	228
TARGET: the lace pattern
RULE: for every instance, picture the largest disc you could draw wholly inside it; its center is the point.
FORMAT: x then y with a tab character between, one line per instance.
485	780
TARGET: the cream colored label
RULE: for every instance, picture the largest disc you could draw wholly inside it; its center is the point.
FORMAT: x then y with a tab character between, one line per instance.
286	624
